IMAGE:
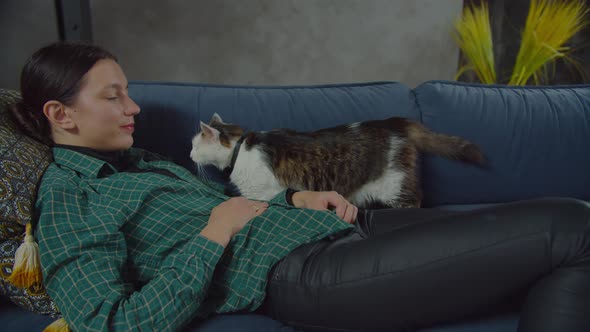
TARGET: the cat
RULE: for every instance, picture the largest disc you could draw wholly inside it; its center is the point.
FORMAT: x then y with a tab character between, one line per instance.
373	164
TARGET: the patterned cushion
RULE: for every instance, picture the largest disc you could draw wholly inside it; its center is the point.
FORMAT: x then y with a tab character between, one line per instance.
22	163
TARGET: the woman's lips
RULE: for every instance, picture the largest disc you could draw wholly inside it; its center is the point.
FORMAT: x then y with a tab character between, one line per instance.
129	127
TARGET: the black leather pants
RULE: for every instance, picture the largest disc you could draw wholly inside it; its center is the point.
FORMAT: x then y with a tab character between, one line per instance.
405	269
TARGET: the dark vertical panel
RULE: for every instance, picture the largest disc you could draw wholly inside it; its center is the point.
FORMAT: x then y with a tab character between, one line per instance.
508	20
74	19
569	74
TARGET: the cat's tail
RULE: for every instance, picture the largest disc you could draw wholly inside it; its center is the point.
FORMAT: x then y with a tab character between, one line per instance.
451	147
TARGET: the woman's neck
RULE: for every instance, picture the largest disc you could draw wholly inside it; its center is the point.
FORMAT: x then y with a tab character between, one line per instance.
116	158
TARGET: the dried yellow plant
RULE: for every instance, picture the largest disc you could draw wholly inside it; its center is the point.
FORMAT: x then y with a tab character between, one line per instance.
473	34
549	25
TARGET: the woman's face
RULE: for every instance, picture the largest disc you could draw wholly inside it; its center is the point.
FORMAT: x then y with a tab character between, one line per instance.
103	112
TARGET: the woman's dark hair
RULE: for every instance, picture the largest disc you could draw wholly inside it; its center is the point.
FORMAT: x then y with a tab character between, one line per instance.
54	72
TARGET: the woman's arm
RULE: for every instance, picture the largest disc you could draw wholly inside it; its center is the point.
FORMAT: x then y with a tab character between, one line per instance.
326	200
318	200
85	262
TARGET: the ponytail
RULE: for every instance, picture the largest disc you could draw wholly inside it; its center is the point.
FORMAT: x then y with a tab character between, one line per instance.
31	123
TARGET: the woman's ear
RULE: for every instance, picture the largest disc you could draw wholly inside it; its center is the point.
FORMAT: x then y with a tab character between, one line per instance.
56	113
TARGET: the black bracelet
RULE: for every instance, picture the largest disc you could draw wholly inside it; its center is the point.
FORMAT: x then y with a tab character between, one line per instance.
289	196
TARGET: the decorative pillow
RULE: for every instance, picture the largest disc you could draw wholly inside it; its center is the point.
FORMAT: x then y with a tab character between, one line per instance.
22	163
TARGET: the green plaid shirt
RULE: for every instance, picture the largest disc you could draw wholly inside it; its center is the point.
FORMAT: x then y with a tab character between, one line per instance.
123	252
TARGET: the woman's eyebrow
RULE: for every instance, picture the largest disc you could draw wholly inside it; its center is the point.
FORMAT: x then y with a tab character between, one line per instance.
115	87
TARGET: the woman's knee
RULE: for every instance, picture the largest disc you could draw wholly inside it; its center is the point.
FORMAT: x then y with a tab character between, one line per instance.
552	214
567	214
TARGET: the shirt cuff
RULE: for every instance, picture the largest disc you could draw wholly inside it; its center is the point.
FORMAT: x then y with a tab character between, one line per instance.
285	197
289	196
208	250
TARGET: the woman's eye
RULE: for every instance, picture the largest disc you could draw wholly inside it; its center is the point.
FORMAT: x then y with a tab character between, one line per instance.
112	98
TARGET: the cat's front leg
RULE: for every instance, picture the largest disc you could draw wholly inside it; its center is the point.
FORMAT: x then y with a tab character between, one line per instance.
258	188
262	193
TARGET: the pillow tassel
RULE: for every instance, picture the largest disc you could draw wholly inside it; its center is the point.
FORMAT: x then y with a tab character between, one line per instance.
59	325
26	271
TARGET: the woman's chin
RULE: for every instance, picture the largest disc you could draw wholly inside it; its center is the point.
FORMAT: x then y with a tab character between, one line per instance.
123	144
129	143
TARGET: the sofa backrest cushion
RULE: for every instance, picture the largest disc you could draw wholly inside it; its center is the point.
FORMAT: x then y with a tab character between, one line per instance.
536	140
171	112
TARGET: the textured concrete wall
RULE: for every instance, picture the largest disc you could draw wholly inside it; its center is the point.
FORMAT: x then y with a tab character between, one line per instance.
26	25
280	41
252	41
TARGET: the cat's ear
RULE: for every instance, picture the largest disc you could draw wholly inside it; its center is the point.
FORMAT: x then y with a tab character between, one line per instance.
209	132
215	119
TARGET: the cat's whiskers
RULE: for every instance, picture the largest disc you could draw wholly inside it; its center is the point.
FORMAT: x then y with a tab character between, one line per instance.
203	175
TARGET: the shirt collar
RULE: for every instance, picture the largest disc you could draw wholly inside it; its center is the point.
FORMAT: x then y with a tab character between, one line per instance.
82	160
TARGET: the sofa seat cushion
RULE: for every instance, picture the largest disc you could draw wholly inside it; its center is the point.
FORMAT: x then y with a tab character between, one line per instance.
249	322
15	318
505	322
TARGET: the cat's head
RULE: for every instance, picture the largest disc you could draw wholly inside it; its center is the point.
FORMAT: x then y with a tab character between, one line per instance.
214	143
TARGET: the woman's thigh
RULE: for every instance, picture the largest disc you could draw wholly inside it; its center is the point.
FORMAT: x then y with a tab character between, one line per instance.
426	269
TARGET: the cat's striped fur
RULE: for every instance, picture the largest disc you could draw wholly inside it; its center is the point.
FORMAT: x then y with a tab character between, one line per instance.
372	164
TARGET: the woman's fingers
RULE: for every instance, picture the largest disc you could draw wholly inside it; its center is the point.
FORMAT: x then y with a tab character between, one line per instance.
351	213
343	208
257	207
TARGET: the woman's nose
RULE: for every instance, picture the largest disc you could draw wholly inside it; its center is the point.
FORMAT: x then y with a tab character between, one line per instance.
131	108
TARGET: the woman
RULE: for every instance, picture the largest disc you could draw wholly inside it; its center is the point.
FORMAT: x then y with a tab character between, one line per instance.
132	242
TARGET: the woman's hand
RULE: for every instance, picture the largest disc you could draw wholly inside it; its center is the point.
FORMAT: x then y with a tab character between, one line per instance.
326	200
230	217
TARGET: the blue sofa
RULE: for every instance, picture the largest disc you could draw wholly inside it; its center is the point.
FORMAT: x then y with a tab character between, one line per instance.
535	140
